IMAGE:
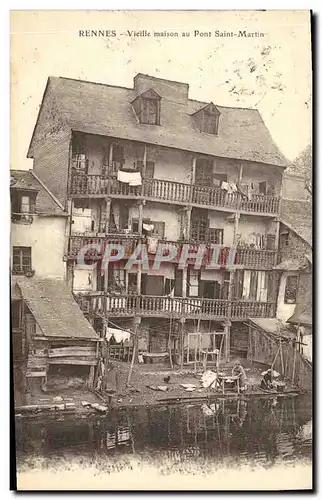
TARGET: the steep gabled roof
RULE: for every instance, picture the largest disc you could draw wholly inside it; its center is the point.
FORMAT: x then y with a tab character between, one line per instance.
211	108
46	202
107	110
297	216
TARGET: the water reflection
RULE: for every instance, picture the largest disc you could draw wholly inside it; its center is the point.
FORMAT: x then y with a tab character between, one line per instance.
261	430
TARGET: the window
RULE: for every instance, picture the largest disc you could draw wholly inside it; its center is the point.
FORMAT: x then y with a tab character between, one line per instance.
21	260
193	282
22	207
219	178
199	227
118	154
80	163
116	277
207	119
210	123
204	175
284	240
262	188
158	229
216	236
290	289
147	107
150	111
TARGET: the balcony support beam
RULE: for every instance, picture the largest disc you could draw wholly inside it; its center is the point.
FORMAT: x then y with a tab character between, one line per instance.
108	214
145	155
110	155
237	212
227	340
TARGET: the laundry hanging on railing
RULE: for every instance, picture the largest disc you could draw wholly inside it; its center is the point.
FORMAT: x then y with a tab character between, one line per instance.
152	244
148	227
232	187
119	335
130	178
116	215
224	186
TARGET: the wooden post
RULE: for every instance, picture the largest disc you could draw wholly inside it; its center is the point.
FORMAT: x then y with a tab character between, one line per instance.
192	178
110	155
169	343
237	211
198	331
108	214
139	272
184	282
229	313
137	321
91	377
144	168
294	357
227	340
182	342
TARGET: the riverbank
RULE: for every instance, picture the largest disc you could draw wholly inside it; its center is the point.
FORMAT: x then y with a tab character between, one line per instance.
150	385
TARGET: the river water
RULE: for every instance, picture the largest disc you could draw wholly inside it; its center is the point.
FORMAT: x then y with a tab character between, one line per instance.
185	438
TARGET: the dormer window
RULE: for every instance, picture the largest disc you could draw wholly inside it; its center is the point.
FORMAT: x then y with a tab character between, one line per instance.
207	119
22	206
147	107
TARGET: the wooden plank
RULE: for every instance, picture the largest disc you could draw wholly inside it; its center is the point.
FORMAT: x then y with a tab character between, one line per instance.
72	351
73	361
36	374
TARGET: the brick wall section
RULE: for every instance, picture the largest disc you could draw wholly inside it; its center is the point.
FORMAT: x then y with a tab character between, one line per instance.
304	292
51	160
50	146
297	248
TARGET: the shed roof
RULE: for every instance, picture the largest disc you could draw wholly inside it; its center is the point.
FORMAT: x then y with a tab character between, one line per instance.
302	315
106	110
273	325
291	265
55	310
46	203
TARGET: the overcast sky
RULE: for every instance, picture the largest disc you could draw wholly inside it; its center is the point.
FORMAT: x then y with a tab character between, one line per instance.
272	73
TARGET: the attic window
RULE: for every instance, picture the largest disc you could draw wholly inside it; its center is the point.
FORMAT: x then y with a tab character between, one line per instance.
147	107
207	119
22	206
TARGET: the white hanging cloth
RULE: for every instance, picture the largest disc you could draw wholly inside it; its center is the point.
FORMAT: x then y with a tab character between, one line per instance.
131	178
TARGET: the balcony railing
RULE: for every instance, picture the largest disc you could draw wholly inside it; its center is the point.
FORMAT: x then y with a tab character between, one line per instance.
261	203
175	192
167	190
254	258
213	196
103	304
250	258
78	242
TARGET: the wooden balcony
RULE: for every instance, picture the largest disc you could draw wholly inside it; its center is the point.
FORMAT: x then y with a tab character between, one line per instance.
77	242
97	185
261	203
101	304
167	190
214	197
249	258
252	258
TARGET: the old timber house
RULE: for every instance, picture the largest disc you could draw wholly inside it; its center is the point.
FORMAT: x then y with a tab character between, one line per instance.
149	165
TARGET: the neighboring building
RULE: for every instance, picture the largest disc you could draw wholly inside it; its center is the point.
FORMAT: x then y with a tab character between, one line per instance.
150	165
38	230
44	315
294	303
